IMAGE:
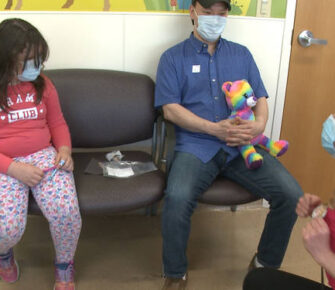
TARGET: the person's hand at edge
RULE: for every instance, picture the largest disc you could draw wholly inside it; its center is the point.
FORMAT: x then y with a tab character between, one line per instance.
307	204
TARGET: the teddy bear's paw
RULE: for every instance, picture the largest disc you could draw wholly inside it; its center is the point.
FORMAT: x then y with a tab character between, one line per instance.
279	148
254	161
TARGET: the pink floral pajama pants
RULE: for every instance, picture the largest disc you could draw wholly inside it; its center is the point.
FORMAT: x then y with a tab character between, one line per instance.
56	198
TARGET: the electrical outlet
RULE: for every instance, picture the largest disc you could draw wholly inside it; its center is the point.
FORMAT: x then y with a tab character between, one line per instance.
264	8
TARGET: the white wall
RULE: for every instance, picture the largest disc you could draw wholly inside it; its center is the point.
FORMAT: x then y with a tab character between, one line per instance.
135	41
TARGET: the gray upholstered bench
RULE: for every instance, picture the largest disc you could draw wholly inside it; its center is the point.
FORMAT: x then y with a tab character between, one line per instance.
107	109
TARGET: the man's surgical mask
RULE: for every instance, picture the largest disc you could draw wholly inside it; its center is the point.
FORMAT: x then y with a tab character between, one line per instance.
210	27
30	72
328	135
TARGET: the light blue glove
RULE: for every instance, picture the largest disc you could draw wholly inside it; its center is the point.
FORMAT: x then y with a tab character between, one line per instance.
328	135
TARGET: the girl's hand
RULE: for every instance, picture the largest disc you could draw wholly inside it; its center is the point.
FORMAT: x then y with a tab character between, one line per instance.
26	173
307	204
64	153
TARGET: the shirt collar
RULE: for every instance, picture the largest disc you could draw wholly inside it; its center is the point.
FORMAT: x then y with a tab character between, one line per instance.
202	47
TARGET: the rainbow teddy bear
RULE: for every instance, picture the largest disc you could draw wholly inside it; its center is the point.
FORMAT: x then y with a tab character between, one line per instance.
240	99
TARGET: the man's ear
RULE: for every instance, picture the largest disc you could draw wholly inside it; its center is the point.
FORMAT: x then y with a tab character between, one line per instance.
192	13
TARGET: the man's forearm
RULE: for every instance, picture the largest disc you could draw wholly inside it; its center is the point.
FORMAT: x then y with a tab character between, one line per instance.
184	118
261	111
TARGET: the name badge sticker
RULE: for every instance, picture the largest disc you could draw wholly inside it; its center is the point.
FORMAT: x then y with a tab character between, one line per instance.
196	69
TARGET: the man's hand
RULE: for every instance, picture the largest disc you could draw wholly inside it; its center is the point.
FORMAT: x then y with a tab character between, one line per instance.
26	173
238	132
64	153
228	130
235	132
307	204
253	128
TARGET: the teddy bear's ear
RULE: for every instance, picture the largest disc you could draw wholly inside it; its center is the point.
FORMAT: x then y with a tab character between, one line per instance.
245	82
226	86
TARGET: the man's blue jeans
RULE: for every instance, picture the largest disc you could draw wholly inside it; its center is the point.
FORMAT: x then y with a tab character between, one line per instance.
189	177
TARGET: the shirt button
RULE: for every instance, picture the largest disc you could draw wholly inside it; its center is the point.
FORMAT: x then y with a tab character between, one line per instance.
204	45
217	117
211	61
198	51
213	80
216	98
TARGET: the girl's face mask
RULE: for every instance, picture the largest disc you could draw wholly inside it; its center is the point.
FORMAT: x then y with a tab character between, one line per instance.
30	72
328	135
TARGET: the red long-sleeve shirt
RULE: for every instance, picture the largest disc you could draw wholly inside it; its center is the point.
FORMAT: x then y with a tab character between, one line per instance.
28	128
330	219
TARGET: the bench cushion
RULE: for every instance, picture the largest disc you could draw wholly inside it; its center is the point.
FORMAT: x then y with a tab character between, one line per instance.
105	108
226	192
99	195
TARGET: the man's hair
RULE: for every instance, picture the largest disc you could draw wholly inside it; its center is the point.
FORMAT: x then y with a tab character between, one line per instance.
195	1
193	4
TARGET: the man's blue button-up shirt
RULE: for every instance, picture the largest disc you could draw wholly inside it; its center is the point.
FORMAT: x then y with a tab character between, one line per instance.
188	75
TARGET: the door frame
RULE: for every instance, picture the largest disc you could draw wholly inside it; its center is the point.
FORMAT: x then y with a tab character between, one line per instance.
283	73
284	69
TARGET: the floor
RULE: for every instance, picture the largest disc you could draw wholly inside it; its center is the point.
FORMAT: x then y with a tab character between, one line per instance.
124	252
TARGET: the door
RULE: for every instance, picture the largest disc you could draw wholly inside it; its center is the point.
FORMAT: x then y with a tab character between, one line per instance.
310	99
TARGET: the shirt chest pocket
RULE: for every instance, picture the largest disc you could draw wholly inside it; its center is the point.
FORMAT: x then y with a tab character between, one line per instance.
196	88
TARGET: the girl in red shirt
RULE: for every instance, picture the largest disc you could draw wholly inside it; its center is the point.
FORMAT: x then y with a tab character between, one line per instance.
35	152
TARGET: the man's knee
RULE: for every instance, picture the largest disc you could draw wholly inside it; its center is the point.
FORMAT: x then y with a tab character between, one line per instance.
292	195
179	202
286	199
178	198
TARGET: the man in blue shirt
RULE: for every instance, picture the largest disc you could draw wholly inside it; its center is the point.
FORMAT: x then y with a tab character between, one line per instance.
188	89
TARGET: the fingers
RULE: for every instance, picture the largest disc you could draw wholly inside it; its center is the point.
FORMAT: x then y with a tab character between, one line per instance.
302	208
64	163
31	175
237	141
313	200
306	204
68	164
238	137
316	239
64	159
320	223
36	176
236	132
316	228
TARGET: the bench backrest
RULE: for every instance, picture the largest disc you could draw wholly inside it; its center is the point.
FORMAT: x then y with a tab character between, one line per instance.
105	108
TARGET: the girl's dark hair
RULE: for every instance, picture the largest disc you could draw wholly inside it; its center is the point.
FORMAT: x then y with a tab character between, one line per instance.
16	35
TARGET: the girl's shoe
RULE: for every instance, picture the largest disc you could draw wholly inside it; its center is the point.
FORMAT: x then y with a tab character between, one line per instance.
9	269
64	277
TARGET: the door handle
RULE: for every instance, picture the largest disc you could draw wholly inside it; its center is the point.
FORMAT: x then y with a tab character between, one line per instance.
306	39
